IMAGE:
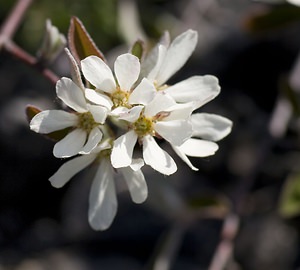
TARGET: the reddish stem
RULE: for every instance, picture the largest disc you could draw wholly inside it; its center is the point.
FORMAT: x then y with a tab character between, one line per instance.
13	20
28	59
7	32
225	248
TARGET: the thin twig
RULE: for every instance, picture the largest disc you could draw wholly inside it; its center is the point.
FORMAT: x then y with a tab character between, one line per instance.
225	247
168	247
12	22
30	60
7	31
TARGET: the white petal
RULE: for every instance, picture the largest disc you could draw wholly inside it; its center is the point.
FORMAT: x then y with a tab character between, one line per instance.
143	93
161	54
136	183
127	70
198	148
98	73
99	113
183	156
98	98
149	62
94	138
151	58
210	127
179	111
175	132
102	198
177	54
165	39
200	88
103	145
294	2
52	120
71	144
119	111
161	102
130	115
69	169
156	157
71	95
121	155
137	163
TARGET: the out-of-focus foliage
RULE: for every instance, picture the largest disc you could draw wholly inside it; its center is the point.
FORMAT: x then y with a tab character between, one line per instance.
272	18
99	16
290	201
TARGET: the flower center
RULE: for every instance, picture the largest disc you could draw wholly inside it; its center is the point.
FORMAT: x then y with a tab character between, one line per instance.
86	121
143	126
120	98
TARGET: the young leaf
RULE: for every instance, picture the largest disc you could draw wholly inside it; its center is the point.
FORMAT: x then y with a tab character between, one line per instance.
289	205
80	43
31	111
138	49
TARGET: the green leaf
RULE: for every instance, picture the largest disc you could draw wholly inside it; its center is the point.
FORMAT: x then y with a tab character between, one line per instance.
80	43
273	18
31	111
138	49
289	204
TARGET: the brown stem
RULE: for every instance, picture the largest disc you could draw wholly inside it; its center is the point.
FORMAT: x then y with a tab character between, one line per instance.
28	59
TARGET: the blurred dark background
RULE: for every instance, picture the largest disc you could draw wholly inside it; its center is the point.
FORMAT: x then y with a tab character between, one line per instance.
252	47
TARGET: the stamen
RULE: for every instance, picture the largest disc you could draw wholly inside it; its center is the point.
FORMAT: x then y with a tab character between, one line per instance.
120	98
86	121
143	126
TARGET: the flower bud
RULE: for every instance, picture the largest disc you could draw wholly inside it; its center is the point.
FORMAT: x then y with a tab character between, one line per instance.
52	44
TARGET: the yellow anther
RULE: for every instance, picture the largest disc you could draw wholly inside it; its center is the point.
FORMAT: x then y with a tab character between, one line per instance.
120	98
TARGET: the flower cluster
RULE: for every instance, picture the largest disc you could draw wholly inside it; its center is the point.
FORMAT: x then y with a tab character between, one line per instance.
116	118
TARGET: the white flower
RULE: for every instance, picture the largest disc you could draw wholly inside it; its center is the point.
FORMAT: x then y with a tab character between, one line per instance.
161	117
162	62
85	122
210	128
166	59
102	198
114	94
